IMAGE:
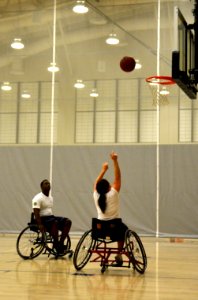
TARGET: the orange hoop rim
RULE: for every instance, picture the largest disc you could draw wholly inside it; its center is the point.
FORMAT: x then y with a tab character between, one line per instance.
166	80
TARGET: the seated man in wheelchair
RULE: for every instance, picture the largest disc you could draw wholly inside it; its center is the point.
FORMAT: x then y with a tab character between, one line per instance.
42	204
106	198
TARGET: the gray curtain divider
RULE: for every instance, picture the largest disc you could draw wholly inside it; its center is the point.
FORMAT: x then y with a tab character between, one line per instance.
74	171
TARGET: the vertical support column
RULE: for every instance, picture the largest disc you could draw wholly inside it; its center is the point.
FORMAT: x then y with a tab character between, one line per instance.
53	94
158	119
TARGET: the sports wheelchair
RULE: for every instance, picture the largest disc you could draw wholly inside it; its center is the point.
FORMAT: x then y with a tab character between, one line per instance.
96	241
31	242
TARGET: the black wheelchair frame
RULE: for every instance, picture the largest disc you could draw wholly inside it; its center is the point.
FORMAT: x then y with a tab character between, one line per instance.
31	242
97	240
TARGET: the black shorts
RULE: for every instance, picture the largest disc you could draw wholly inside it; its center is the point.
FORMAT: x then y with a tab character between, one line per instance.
48	221
114	228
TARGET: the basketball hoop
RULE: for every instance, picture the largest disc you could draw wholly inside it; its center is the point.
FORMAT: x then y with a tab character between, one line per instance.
158	86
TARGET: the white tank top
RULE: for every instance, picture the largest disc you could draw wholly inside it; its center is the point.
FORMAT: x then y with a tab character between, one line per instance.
112	208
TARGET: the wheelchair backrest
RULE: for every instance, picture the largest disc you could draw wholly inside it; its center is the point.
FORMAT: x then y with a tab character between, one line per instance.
107	230
32	224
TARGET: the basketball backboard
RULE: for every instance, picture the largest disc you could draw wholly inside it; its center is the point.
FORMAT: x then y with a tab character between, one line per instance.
184	71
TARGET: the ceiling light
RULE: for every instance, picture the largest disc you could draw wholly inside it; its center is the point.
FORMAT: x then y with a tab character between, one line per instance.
138	64
80	7
17	44
164	91
6	86
94	93
25	95
53	67
79	84
112	39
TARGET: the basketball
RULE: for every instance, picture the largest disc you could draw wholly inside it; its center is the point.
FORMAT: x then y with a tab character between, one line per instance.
127	64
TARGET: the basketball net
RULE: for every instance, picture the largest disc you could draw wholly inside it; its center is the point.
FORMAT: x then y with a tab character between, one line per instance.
159	87
157	94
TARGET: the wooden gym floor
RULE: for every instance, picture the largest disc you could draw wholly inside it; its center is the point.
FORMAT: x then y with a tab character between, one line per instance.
172	273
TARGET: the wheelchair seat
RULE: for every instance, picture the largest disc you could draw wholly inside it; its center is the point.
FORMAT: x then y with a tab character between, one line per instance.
106	229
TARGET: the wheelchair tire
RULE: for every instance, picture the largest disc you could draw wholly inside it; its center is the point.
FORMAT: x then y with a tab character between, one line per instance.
82	252
136	251
30	243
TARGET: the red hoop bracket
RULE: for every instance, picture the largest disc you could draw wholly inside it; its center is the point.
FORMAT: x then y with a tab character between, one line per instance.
166	80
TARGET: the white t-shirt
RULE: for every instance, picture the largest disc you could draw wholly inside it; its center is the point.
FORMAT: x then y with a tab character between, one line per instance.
44	203
112	208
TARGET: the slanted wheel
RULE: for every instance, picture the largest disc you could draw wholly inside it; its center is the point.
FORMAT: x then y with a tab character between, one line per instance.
82	252
136	251
30	242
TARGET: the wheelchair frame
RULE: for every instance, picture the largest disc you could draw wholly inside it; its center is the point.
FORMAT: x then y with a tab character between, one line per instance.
31	242
133	251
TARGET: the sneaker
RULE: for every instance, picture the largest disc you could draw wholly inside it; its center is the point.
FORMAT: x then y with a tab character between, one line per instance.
118	261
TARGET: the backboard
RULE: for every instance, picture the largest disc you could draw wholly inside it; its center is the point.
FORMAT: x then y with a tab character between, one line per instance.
183	57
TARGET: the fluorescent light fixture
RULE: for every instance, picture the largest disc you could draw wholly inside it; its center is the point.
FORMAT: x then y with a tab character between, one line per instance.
94	93
6	86
112	39
80	7
17	44
79	84
26	95
53	67
138	65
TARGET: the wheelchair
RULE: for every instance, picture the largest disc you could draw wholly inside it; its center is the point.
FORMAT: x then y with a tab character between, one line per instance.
99	241
31	242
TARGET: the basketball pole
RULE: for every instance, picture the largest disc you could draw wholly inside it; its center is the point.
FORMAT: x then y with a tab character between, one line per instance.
52	95
158	121
196	39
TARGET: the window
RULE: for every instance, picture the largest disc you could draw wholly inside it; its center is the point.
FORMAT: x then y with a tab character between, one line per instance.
123	112
27	121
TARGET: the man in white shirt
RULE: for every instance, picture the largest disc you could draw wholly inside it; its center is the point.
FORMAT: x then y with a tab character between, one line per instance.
42	204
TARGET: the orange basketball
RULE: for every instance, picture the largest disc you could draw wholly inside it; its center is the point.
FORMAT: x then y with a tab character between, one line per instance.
127	63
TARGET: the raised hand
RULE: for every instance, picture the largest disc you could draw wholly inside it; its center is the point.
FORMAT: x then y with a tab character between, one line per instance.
114	155
105	166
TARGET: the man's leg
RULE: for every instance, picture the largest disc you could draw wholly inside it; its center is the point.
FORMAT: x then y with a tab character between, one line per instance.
54	234
66	225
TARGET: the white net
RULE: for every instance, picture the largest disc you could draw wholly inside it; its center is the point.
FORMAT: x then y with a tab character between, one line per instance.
159	94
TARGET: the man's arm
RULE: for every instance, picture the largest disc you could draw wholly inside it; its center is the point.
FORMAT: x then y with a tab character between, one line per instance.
117	174
101	174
